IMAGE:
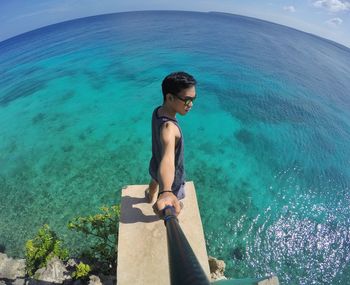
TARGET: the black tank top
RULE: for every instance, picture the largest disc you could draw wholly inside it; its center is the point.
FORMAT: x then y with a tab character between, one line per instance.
157	151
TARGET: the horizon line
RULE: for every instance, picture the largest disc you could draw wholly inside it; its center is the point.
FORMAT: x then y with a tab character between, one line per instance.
340	45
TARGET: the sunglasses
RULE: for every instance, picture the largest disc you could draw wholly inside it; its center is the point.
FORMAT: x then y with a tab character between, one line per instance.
186	100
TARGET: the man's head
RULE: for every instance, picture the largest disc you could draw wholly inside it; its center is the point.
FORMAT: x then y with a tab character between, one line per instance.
179	91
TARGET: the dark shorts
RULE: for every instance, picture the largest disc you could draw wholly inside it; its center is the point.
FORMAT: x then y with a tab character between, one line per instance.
180	193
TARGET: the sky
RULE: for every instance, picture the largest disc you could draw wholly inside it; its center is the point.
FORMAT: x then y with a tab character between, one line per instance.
329	19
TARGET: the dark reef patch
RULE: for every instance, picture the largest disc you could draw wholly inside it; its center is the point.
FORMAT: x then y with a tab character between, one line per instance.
207	147
38	118
86	133
82	137
68	95
240	200
67	148
23	89
61	128
238	253
260	146
31	71
63	72
268	107
12	146
244	136
96	80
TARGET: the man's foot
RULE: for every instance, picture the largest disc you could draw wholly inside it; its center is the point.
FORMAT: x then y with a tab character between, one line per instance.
150	195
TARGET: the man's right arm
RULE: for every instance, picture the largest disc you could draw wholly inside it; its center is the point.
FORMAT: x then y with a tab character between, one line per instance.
167	168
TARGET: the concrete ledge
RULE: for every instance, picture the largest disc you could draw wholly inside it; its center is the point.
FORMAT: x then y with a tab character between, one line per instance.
270	281
142	244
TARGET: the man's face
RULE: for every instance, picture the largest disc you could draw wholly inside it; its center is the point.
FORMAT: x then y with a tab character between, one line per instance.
184	100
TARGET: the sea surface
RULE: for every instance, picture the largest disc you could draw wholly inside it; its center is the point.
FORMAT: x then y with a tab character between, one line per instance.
266	143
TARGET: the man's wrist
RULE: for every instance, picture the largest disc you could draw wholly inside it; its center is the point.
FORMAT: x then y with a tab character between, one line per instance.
164	191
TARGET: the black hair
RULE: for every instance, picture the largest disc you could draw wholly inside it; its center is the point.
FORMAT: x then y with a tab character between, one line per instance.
175	82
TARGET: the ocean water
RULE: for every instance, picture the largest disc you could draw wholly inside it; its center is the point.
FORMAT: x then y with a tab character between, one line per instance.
266	144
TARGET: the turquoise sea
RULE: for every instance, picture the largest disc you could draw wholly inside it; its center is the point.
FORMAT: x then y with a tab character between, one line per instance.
266	144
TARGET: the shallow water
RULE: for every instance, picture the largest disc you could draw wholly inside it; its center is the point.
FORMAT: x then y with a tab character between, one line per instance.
266	143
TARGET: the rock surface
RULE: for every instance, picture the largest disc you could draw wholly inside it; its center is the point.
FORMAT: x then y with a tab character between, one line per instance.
94	280
19	281
11	268
217	268
273	280
12	271
55	271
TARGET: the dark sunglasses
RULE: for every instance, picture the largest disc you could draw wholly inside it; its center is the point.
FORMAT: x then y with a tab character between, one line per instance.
187	100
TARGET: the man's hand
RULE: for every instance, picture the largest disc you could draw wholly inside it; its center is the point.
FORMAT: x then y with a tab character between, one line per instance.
167	199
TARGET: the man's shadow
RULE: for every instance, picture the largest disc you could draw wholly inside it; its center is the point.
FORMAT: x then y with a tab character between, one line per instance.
131	214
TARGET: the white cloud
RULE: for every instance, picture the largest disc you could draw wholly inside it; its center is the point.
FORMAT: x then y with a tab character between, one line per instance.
334	22
289	9
333	5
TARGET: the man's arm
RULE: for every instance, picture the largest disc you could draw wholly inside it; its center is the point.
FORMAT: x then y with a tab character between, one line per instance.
167	164
167	168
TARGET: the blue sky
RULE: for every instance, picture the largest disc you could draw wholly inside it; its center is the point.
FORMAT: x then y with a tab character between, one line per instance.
326	18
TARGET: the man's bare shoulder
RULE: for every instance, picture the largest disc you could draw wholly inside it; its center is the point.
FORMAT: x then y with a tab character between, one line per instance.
170	130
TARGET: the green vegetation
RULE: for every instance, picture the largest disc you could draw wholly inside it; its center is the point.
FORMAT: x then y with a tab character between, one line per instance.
82	271
103	228
40	249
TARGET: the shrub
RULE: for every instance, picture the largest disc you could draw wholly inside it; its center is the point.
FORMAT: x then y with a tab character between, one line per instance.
103	227
40	249
82	271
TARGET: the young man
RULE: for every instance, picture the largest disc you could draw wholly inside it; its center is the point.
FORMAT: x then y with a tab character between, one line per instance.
167	163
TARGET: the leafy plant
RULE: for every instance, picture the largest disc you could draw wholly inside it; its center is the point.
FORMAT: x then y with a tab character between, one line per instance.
82	271
44	246
103	227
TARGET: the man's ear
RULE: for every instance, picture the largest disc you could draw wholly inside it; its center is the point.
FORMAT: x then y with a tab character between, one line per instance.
170	97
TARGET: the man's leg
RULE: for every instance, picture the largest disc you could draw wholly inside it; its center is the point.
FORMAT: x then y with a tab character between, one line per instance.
152	190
